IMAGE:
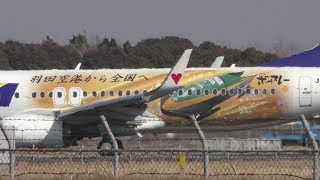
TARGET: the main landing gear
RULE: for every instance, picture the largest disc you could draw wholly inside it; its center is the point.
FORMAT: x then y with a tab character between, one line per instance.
108	137
204	145
103	146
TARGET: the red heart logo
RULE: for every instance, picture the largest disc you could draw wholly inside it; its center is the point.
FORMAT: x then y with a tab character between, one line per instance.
176	77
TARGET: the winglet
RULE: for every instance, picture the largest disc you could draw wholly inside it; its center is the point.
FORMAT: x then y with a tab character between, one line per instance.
217	62
173	79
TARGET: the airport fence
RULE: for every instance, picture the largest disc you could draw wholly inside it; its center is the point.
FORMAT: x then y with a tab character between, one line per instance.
64	163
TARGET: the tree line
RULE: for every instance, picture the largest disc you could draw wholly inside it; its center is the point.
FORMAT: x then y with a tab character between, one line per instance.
108	53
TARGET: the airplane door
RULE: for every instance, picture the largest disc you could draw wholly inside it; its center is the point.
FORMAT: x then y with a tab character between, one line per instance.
305	92
75	96
59	96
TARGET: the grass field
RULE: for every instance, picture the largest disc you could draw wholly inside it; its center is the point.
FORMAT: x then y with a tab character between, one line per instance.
162	166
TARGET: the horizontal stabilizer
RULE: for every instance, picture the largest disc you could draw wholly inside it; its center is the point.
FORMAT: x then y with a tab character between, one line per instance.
173	79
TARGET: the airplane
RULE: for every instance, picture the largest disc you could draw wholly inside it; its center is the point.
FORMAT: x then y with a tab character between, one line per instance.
56	108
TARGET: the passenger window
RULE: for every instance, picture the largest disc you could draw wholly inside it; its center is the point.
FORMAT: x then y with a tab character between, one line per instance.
144	91
273	91
34	95
223	92
120	93
189	92
42	94
50	94
264	91
206	92
111	93
198	92
231	92
16	95
180	92
85	93
128	93
256	91
239	91
248	91
136	92
74	94
94	94
103	93
214	91
59	94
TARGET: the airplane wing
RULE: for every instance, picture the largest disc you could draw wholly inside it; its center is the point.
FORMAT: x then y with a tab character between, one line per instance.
170	84
217	62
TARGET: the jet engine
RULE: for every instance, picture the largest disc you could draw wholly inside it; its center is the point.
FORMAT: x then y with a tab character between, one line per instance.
38	130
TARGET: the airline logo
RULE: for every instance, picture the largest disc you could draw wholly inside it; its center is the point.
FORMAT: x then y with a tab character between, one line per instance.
176	77
7	91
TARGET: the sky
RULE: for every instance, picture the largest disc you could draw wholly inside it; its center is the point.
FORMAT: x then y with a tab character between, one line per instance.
235	23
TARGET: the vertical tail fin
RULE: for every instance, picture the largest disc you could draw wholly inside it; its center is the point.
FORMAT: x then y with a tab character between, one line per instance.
172	80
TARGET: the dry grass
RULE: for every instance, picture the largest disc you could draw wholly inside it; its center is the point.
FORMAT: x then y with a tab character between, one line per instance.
239	169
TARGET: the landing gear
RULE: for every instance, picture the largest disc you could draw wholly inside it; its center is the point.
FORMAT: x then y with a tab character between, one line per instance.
106	132
108	142
103	146
204	145
314	143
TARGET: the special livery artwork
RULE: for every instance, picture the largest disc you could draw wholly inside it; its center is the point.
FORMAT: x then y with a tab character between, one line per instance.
213	95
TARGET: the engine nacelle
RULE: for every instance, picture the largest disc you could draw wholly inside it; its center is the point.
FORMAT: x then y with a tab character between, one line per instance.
38	130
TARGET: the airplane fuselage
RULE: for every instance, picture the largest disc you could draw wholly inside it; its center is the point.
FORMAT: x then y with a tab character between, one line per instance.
222	99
